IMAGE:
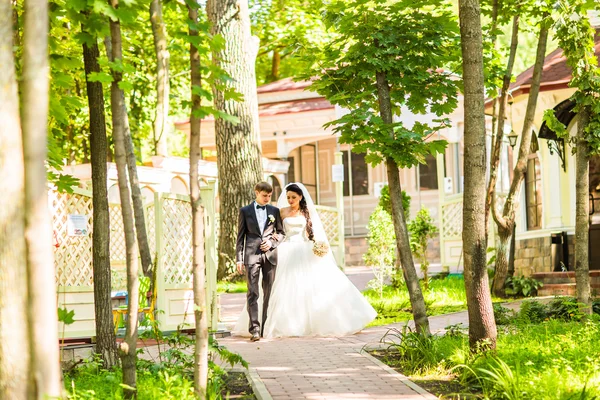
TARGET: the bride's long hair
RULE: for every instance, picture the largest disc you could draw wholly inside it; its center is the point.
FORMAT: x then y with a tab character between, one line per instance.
303	209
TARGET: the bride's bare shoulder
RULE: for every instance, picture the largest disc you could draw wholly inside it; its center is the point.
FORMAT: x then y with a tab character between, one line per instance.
284	212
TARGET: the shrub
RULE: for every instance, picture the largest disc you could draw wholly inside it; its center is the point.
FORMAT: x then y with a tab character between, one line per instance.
386	202
421	230
502	315
565	308
532	312
522	286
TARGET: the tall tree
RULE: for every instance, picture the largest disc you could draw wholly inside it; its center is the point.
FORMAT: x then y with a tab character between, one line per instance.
45	381
482	327
14	338
198	265
506	220
105	332
360	72
576	38
159	33
499	134
127	349
237	131
284	28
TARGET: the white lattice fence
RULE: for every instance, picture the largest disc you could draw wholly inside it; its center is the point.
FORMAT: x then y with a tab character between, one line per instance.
451	230
73	256
118	250
329	218
73	261
177	237
452	220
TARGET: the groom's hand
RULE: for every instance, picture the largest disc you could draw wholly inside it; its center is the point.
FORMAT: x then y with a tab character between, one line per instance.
240	267
265	245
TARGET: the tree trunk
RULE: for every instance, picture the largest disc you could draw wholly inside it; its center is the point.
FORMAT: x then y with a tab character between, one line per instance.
497	141
502	259
127	349
198	265
105	330
162	78
14	339
402	239
136	193
276	61
43	318
482	327
238	145
582	210
506	222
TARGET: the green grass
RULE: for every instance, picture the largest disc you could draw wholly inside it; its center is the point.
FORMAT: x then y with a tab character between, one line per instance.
444	296
554	360
232	287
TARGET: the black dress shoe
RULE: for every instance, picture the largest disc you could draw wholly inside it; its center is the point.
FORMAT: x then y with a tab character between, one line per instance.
255	337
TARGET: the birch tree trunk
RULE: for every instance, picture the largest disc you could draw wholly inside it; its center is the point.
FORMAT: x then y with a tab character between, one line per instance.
238	145
582	213
105	330
506	222
159	32
136	193
482	327
198	265
402	239
45	369
497	141
14	338
127	349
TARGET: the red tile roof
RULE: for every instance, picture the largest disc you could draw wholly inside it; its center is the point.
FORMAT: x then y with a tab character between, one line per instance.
283	107
294	106
283	84
555	72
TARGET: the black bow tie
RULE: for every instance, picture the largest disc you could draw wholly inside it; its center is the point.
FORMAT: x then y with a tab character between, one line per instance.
261	207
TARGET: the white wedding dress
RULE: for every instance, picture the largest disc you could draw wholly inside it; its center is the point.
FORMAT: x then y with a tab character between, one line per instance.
311	296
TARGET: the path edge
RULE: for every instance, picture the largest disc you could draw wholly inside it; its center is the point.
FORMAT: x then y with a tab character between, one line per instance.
404	379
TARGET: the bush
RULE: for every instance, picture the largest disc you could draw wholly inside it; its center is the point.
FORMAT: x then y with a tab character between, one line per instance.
522	286
532	312
422	229
565	309
386	202
502	315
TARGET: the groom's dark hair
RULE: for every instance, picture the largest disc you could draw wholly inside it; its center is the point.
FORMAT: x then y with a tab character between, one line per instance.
263	187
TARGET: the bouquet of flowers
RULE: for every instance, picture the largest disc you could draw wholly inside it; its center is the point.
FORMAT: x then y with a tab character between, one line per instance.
320	249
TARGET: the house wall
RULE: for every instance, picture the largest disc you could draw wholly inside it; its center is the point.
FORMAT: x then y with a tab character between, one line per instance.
534	251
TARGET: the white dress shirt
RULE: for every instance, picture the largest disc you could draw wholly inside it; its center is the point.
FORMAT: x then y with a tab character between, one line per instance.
261	217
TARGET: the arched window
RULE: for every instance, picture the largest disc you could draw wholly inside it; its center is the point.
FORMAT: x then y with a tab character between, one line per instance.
276	187
178	186
113	194
147	194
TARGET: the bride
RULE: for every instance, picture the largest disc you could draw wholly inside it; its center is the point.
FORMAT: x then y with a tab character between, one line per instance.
311	296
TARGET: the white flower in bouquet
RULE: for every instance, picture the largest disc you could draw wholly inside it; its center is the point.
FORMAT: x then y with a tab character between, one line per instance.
320	249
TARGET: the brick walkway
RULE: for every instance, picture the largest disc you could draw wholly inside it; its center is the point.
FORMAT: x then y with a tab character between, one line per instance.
322	368
332	368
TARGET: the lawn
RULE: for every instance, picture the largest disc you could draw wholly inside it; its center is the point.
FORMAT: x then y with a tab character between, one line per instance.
445	295
232	287
554	360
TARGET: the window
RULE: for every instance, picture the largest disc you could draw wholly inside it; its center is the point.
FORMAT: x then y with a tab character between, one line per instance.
356	172
276	187
533	193
428	174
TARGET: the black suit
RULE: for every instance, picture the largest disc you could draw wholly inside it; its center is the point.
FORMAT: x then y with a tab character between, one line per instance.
248	251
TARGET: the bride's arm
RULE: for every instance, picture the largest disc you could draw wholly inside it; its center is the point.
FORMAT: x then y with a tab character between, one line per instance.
279	234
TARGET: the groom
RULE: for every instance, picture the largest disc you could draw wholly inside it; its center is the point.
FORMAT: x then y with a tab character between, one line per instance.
260	230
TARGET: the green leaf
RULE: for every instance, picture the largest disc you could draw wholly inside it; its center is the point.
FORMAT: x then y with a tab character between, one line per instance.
101	77
65	316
